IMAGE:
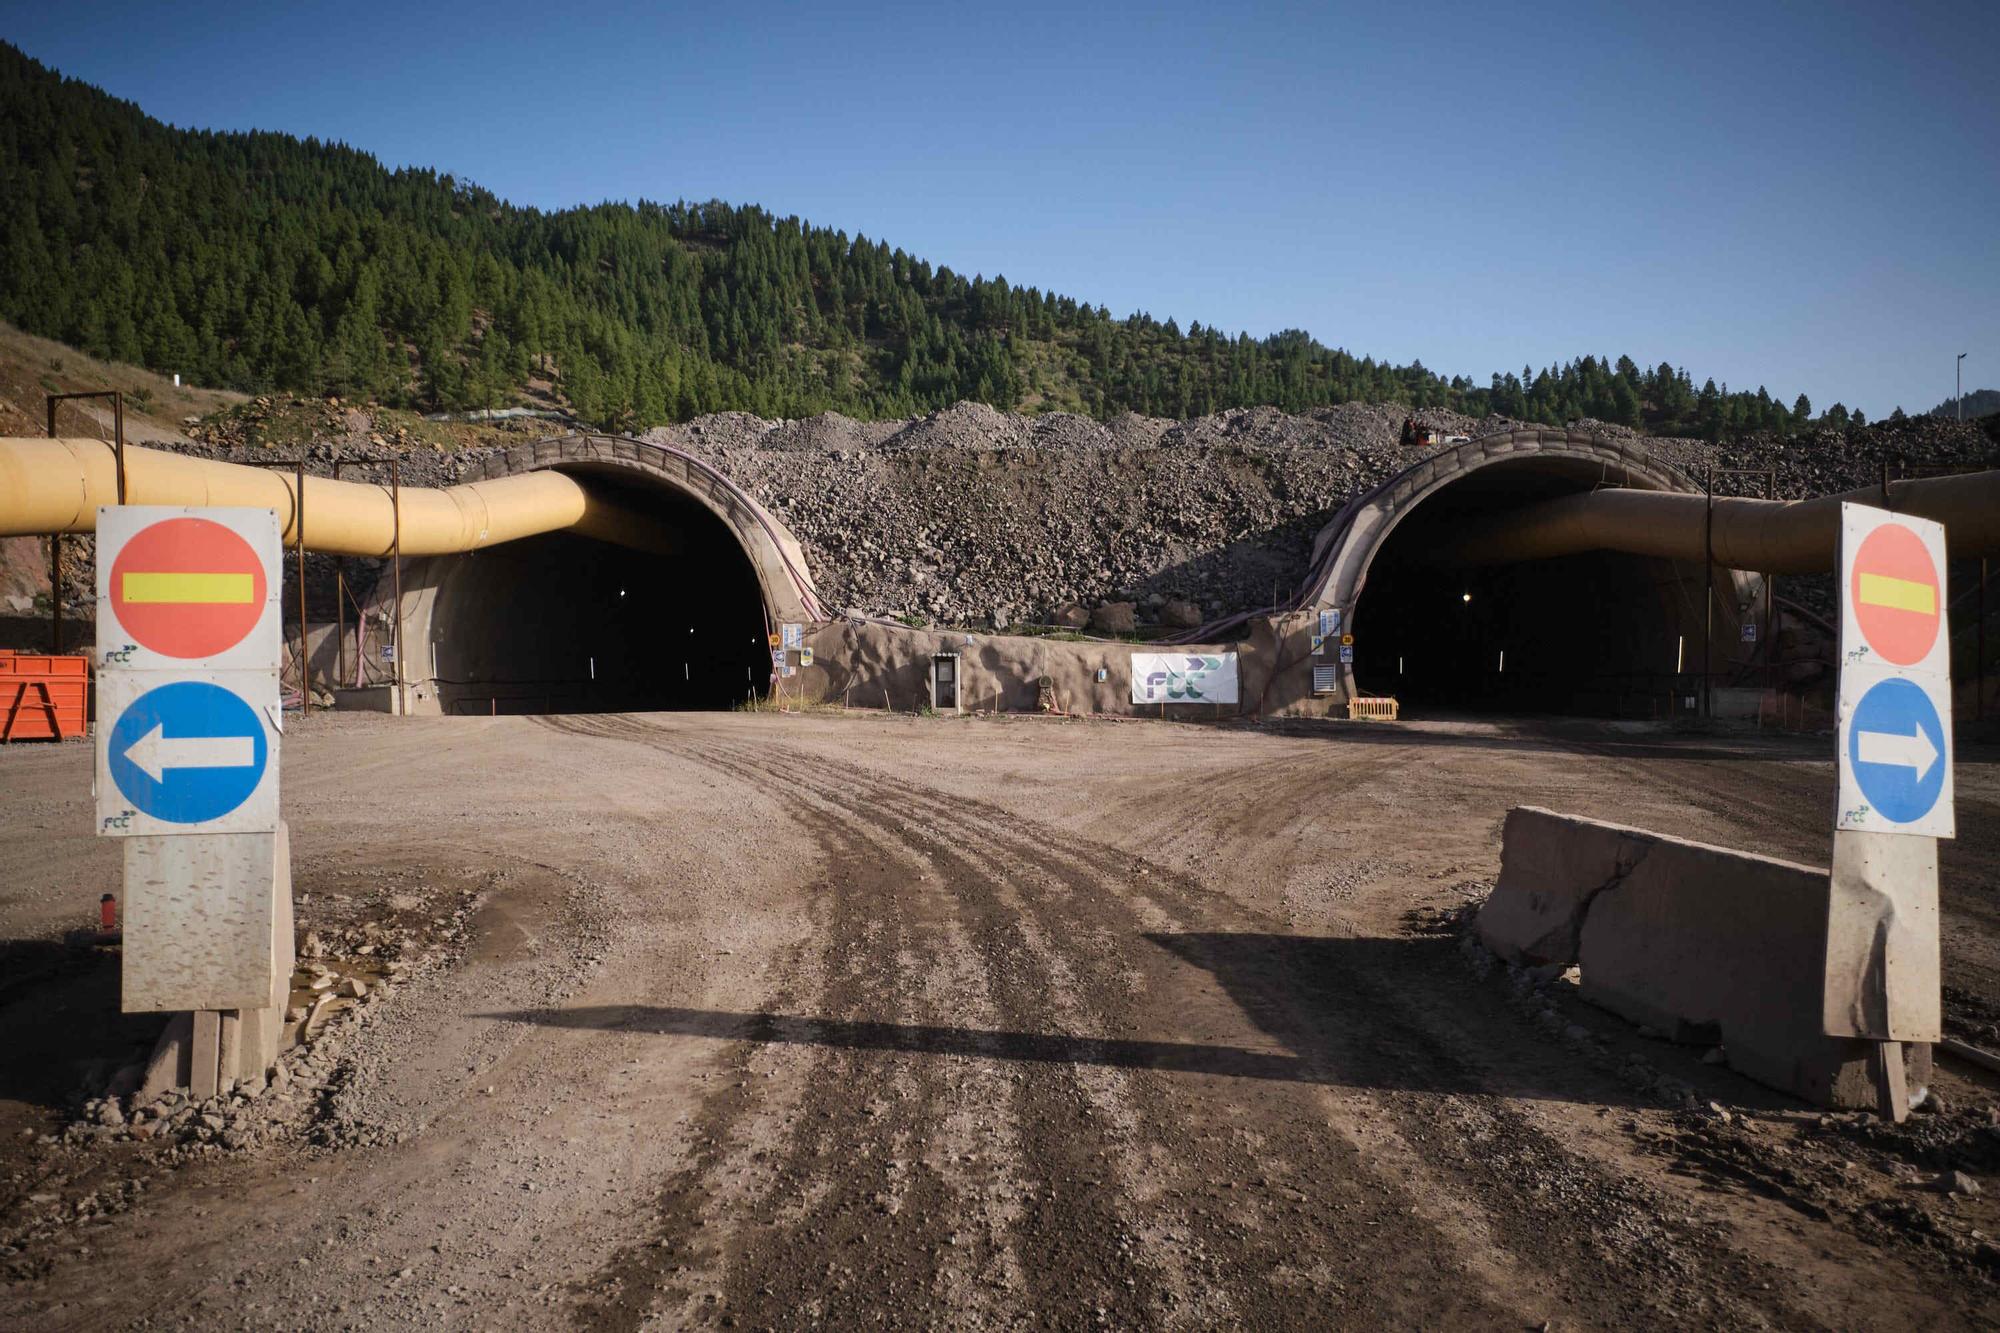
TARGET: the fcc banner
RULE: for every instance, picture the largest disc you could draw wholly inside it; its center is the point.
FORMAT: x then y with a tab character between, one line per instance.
1183	678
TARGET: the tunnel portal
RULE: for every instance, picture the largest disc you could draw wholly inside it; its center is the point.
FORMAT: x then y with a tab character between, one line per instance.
1600	634
563	623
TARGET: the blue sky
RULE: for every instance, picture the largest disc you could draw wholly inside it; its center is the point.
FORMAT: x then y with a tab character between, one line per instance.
1801	196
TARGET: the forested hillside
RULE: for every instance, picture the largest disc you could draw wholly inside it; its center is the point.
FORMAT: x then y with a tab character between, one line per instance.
257	261
1978	403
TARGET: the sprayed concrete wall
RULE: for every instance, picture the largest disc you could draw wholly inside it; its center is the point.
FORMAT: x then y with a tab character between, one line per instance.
871	664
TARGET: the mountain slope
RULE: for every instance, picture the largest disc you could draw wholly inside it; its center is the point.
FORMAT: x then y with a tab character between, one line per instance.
32	368
255	261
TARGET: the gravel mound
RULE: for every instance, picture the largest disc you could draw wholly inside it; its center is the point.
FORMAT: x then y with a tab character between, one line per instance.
973	517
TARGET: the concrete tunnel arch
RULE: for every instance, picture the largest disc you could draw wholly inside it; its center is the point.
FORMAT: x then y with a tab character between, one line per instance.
1603	632
565	623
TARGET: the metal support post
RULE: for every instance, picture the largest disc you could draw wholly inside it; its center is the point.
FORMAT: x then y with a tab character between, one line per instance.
55	593
1770	648
1708	593
117	398
339	608
55	561
298	467
299	543
1771	608
396	556
55	538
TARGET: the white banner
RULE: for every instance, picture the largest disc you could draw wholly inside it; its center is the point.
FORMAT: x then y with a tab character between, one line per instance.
1183	678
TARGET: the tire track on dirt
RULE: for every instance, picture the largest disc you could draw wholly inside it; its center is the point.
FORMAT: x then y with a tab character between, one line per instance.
1443	1134
1221	1256
1534	1162
1073	1250
892	1222
693	1216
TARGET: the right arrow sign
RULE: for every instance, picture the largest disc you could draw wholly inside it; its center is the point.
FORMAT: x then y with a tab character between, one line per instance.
1896	750
1898	759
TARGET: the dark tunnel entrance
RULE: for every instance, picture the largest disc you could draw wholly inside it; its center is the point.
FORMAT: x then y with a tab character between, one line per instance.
563	623
1603	634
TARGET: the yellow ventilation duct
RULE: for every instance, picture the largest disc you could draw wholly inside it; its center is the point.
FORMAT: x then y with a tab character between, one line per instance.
58	486
1770	536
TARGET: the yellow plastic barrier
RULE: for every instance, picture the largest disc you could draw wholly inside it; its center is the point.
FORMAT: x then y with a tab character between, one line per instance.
1371	710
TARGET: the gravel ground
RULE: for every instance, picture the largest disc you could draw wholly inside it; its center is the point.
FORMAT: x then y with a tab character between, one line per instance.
762	1021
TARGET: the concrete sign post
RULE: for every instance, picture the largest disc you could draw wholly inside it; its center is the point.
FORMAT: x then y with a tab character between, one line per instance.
1894	756
188	707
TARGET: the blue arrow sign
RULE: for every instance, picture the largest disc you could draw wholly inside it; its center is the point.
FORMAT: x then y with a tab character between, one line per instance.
187	753
1896	750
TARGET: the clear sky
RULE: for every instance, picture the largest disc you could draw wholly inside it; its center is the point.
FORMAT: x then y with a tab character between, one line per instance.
1804	196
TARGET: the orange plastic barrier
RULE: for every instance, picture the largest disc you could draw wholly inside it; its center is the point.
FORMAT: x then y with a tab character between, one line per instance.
43	697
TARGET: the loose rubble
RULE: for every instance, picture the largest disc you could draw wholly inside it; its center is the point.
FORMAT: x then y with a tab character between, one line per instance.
977	518
344	974
1889	1183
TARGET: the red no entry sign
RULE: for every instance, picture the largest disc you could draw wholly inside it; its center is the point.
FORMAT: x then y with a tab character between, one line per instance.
1897	595
188	587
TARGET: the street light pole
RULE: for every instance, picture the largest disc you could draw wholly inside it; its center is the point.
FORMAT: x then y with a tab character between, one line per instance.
1958	383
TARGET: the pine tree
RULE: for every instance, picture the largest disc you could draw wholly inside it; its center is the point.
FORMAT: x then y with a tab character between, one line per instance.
259	261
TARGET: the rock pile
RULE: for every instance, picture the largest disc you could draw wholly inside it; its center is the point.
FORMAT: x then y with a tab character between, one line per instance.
969	516
972	517
252	421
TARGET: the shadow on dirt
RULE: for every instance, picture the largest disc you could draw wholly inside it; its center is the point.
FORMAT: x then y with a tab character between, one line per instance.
1550	735
60	1026
1349	1013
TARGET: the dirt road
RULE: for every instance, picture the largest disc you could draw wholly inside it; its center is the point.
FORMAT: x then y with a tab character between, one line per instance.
763	1021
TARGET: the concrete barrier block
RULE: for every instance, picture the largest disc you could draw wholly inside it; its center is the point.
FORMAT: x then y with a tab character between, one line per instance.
1703	942
168	1067
1707	938
1551	866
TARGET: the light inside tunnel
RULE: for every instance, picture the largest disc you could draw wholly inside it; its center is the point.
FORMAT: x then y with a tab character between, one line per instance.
1594	635
564	623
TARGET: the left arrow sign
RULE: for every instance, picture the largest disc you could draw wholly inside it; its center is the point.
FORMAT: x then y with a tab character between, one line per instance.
154	753
193	755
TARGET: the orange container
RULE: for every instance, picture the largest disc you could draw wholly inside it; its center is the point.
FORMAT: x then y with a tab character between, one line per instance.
43	696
